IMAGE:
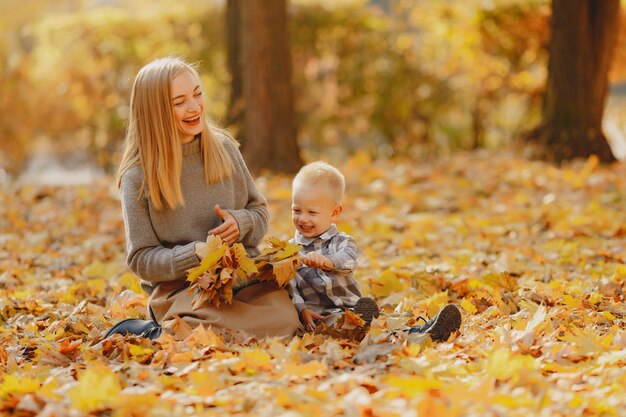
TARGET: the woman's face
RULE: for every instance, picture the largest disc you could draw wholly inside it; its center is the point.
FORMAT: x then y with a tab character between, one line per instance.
188	105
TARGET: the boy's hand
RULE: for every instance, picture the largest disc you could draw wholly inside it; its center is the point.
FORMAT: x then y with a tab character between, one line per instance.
229	230
317	260
308	318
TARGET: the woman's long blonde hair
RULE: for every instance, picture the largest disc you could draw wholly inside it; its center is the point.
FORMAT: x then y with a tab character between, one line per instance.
152	138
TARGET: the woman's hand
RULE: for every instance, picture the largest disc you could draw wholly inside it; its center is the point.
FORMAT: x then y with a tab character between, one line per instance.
229	230
308	318
317	260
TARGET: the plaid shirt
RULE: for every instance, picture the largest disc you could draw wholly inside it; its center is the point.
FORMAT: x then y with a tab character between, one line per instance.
321	291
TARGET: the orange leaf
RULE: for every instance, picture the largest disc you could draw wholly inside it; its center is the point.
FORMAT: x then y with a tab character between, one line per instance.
353	318
68	347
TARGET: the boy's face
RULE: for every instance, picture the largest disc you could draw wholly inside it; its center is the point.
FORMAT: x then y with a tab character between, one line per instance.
313	209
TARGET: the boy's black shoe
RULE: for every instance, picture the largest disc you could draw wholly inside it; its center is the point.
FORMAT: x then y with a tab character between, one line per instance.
143	328
367	309
440	327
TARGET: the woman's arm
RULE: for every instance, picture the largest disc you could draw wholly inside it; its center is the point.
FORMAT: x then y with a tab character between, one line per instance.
146	255
253	220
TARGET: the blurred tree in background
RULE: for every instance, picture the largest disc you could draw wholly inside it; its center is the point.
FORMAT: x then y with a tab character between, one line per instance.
390	78
261	92
584	34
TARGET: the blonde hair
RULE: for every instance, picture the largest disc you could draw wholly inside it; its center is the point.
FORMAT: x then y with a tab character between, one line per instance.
319	172
152	138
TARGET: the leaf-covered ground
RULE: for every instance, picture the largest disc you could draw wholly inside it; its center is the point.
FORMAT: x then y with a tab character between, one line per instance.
533	254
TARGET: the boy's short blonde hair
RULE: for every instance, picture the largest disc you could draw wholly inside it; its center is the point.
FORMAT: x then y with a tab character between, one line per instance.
319	172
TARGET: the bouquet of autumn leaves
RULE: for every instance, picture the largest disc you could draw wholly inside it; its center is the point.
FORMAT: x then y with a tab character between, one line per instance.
225	267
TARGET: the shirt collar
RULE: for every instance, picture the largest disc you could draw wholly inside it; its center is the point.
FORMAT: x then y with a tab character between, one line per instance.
301	240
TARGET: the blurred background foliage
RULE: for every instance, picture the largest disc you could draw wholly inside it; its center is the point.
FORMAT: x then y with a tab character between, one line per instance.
401	77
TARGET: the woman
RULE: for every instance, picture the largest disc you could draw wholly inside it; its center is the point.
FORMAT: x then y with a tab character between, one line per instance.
182	179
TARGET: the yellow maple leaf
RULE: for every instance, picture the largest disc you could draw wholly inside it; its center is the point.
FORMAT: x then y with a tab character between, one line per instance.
85	397
141	353
385	284
252	360
608	315
468	306
275	242
503	281
307	370
436	302
208	262
245	266
570	301
12	384
204	383
504	364
595	298
286	251
278	250
131	282
412	384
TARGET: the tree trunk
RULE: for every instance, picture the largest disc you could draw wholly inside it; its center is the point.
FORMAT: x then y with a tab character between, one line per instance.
269	130
236	112
584	33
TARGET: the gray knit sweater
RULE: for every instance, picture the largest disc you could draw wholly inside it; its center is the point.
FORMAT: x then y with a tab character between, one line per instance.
160	244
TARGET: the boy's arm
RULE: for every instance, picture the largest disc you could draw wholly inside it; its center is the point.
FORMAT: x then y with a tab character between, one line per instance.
345	256
319	261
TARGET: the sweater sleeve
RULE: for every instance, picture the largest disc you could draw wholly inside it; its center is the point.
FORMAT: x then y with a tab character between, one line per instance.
253	220
146	256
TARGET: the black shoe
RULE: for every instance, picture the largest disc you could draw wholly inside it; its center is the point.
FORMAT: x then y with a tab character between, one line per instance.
440	327
367	309
143	328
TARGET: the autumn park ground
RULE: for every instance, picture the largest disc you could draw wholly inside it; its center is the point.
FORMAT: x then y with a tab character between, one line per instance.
531	253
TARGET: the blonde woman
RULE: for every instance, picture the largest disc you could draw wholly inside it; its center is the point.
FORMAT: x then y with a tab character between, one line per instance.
180	179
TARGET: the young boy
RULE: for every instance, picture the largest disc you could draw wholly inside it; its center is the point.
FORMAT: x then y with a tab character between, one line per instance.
324	283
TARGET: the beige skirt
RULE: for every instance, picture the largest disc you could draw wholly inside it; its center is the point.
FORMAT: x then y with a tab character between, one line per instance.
261	309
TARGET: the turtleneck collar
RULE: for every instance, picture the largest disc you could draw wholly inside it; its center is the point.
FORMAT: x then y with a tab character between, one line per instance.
192	147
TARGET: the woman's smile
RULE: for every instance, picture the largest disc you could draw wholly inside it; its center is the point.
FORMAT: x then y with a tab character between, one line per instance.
193	121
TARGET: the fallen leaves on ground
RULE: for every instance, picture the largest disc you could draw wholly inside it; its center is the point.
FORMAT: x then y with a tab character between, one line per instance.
533	254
